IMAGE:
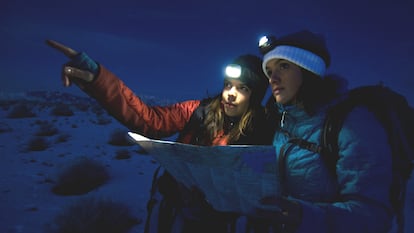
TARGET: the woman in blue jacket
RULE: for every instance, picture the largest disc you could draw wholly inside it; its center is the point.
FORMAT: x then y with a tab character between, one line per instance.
356	198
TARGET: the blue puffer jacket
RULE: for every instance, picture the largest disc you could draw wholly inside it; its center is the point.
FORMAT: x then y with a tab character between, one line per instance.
363	173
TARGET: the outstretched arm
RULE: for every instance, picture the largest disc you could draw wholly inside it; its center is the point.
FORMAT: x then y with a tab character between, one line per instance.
120	101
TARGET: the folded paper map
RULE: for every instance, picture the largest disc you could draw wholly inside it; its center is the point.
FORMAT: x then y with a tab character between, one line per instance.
233	178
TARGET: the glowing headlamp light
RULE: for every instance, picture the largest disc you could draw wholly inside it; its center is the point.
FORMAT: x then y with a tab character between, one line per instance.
267	43
233	71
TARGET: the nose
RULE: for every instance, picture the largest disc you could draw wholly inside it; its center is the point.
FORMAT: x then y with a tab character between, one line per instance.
232	93
274	78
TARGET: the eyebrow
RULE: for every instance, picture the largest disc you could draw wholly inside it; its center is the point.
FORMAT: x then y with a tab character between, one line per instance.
281	60
276	62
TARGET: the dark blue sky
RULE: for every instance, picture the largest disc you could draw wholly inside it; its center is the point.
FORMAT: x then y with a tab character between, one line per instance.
178	49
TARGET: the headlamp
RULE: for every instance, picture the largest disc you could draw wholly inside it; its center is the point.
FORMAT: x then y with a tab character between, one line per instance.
233	71
267	43
245	75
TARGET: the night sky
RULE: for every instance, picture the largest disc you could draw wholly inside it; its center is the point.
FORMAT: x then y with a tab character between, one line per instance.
178	49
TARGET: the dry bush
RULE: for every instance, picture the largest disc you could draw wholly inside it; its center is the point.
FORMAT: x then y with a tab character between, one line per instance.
37	144
97	109
62	138
82	176
20	111
83	107
46	129
4	128
102	120
92	215
119	138
61	110
122	154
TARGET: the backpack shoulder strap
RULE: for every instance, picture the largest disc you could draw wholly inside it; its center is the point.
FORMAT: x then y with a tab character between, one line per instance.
332	125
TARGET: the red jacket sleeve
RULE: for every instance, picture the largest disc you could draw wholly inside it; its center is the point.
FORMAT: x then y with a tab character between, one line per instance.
121	102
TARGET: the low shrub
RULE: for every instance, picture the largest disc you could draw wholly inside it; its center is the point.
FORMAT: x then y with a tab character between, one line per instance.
61	110
20	111
37	144
83	107
119	138
101	120
122	154
46	129
82	176
4	128
92	215
62	138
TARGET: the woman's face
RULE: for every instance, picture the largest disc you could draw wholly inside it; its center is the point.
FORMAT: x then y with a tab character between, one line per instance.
235	97
285	80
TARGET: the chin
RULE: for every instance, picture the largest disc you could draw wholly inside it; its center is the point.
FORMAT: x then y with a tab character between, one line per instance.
280	100
230	113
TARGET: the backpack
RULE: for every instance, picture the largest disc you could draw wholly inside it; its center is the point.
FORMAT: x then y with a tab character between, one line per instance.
397	118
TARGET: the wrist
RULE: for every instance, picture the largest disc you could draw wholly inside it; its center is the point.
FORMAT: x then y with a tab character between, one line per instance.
84	62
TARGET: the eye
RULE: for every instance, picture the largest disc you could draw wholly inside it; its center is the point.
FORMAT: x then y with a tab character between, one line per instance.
227	85
284	66
269	72
244	89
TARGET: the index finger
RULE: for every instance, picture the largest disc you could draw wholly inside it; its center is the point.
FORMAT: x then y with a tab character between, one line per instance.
62	48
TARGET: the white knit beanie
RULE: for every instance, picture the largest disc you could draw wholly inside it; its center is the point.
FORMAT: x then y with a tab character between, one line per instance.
304	48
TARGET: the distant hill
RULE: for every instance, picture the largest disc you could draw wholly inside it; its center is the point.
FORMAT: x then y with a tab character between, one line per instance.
54	97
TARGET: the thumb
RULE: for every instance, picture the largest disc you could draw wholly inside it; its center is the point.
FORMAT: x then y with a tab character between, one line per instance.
74	73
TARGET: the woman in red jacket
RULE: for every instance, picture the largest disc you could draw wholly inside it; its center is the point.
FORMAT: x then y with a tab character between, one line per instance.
235	116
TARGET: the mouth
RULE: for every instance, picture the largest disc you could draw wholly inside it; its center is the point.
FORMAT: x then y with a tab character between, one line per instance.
277	90
229	105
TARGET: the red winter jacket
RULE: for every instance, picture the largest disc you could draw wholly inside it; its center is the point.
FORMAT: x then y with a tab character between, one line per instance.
131	111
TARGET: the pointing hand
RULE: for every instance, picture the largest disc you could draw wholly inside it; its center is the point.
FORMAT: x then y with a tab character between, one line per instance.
79	69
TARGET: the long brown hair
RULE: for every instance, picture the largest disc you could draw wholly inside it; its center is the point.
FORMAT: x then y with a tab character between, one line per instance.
214	121
328	88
